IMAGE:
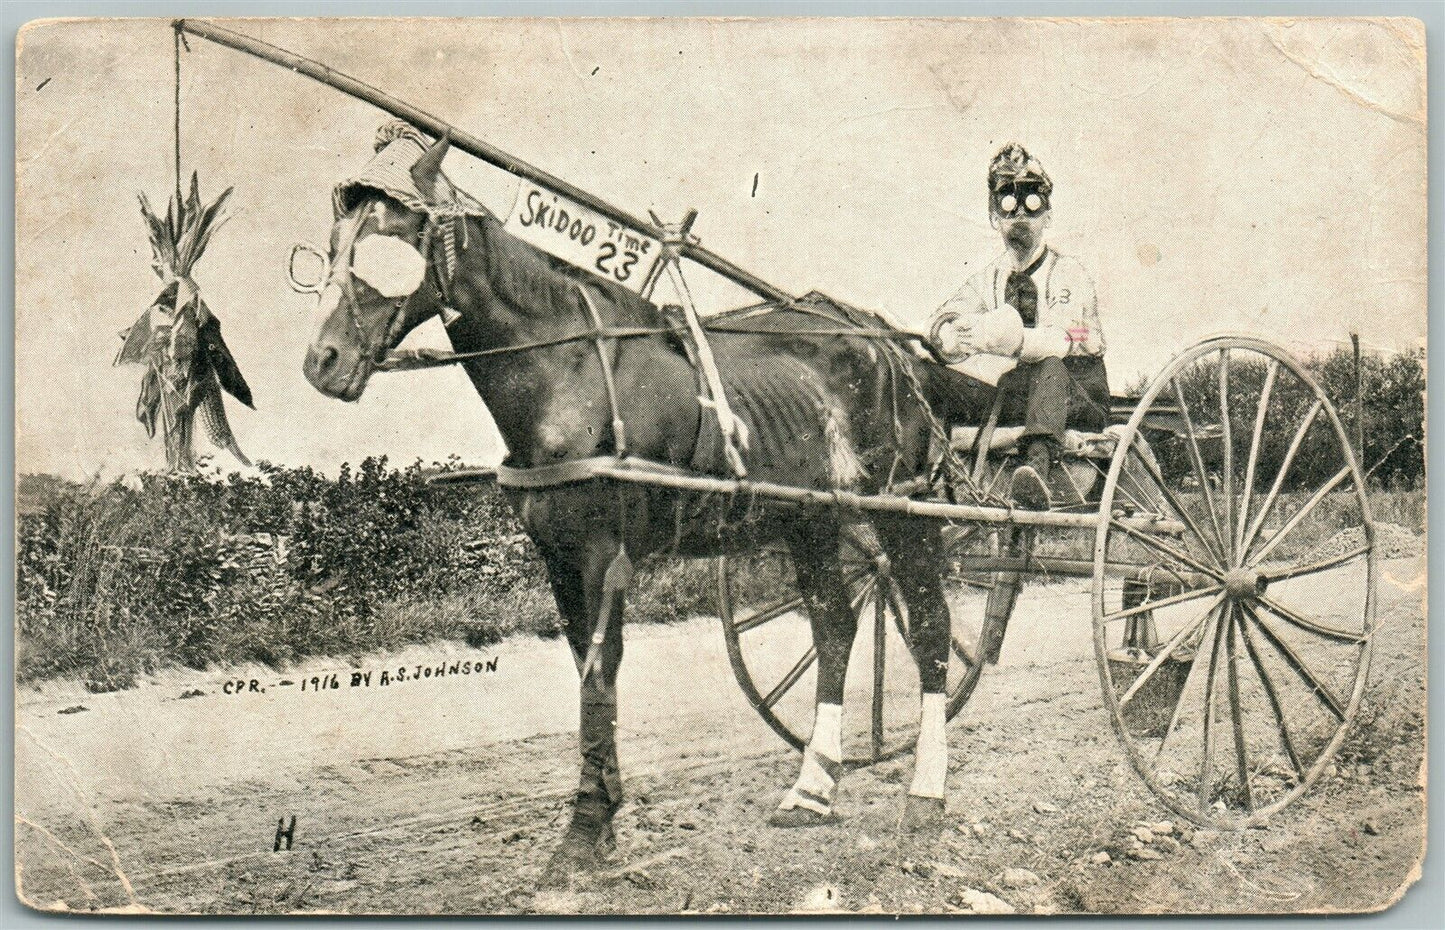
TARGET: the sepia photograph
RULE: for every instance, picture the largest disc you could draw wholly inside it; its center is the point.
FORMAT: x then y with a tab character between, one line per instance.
720	466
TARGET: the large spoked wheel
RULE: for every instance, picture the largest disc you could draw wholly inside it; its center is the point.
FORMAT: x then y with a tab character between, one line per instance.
770	644
1234	653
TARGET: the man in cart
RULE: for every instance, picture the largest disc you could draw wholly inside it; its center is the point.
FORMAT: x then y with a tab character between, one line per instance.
1028	323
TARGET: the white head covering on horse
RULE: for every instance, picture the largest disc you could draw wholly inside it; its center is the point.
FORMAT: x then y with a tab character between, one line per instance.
399	146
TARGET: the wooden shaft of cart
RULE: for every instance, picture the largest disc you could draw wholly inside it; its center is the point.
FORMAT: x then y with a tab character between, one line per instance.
472	146
846	500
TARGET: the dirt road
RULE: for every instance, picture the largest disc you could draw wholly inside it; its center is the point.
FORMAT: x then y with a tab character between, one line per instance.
444	791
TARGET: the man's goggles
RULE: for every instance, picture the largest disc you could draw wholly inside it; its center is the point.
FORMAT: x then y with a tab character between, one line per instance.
1011	201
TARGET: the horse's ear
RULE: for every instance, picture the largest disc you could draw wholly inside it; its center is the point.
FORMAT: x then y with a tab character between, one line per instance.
426	169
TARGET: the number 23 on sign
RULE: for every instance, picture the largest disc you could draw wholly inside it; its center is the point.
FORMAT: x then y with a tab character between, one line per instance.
582	237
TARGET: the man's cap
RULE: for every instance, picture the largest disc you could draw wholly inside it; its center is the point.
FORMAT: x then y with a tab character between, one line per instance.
1013	166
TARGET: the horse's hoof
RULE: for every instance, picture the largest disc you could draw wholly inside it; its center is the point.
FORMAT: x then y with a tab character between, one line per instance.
606	848
922	813
567	864
791	817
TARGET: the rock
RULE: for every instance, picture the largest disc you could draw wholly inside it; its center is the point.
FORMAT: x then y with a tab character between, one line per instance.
1143	834
822	898
193	693
1089	784
1044	807
1185	834
1163	827
75	709
981	902
1019	878
979	829
866	842
1372	828
1202	838
1145	853
1016	835
1167	843
1101	858
949	871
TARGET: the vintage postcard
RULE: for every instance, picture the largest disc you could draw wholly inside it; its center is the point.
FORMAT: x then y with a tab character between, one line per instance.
720	466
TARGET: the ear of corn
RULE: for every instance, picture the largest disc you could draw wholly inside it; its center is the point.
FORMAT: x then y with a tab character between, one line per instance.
179	340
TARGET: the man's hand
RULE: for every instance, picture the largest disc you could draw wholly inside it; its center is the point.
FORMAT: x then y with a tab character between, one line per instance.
997	332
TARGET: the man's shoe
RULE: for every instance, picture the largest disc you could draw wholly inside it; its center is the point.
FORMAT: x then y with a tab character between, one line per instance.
1029	489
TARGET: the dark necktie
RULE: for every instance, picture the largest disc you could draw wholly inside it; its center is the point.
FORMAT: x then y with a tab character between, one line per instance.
1022	293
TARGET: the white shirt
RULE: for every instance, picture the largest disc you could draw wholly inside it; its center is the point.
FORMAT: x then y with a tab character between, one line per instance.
1067	321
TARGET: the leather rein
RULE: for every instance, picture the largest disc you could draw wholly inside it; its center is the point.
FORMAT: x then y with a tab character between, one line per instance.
421	359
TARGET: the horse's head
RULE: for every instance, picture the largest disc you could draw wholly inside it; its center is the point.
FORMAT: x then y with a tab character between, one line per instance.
375	284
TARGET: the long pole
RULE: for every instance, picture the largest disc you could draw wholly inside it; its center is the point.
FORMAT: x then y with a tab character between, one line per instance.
471	145
620	470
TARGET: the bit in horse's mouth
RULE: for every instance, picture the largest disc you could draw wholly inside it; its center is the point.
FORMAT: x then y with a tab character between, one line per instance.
355	386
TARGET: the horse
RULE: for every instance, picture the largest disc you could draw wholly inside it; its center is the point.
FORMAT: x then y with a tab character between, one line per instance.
573	367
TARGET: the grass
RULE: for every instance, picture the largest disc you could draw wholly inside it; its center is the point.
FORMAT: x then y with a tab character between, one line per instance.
113	584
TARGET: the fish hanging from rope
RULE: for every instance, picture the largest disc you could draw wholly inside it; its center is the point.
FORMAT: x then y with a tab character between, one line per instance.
178	339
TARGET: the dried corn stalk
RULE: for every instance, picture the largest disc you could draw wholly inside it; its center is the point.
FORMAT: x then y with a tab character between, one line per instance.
178	339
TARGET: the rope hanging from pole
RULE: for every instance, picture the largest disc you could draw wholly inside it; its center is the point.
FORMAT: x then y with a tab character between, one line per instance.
177	136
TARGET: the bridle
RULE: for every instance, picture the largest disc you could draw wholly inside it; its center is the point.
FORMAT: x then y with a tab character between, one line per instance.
346	245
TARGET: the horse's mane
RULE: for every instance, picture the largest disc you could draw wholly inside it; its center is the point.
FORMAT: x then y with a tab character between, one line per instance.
529	280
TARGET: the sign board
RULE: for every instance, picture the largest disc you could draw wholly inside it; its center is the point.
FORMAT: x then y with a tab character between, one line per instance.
583	237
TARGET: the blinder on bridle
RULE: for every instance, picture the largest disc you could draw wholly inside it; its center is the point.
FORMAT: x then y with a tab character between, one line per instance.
304	282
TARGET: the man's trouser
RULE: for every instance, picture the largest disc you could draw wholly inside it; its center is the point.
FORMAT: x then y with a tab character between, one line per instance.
1048	395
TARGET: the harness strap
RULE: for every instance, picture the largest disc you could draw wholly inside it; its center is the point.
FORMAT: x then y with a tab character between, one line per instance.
419	359
619	433
733	431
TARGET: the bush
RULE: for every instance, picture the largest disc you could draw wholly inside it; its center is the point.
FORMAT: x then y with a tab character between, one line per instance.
1393	418
113	580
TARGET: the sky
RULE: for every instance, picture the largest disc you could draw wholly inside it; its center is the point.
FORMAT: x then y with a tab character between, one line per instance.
1255	176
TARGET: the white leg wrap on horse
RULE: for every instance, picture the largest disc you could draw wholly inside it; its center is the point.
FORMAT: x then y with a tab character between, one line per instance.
821	766
930	762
